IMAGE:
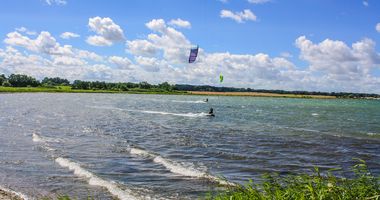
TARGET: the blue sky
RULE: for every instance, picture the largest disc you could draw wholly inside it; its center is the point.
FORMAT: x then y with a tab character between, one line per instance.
254	43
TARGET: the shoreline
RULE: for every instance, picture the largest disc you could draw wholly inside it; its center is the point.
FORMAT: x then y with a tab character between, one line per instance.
260	94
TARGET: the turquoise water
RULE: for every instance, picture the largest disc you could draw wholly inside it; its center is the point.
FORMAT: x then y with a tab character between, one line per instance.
165	147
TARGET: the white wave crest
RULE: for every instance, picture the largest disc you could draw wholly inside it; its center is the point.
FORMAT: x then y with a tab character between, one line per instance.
314	114
199	101
94	180
178	168
18	194
36	138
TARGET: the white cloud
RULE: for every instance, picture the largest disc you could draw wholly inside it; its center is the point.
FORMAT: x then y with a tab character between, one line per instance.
378	27
142	48
108	32
149	64
44	43
56	2
258	1
365	3
336	58
68	35
25	30
180	23
240	17
120	62
98	41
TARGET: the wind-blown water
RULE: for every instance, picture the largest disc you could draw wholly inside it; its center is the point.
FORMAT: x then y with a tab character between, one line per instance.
166	147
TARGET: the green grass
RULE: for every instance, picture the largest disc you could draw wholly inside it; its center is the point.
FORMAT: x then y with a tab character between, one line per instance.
68	89
363	186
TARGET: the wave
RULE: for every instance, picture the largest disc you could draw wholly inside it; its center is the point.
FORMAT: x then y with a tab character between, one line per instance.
314	114
14	193
178	168
94	180
199	101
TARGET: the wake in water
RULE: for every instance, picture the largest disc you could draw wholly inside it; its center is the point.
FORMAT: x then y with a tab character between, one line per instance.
177	168
202	114
199	101
193	115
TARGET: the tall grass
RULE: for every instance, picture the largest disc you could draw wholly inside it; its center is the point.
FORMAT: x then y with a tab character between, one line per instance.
363	185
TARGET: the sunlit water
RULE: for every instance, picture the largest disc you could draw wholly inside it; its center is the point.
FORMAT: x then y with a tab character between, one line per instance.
166	147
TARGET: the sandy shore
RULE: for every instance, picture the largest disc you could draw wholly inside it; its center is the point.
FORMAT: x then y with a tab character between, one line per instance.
258	94
9	195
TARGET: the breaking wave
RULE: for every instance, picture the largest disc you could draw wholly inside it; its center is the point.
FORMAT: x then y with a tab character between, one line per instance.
178	168
94	180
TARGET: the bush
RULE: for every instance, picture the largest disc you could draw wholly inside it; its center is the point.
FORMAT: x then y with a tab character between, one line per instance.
363	186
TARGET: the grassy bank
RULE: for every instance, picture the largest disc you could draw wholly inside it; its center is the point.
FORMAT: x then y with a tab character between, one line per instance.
258	94
363	186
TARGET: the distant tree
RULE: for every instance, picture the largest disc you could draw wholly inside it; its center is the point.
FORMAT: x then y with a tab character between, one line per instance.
145	85
165	86
2	79
54	81
21	80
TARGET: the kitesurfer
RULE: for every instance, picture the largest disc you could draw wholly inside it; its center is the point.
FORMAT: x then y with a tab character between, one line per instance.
211	112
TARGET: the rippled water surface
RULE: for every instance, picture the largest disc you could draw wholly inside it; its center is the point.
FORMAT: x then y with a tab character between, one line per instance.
165	147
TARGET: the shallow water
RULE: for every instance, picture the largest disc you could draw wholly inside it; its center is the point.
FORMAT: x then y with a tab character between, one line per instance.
165	147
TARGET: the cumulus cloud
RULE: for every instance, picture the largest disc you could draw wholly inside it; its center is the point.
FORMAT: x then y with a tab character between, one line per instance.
142	48
44	43
365	3
240	17
68	35
337	58
258	1
107	32
25	30
377	27
56	2
180	23
120	62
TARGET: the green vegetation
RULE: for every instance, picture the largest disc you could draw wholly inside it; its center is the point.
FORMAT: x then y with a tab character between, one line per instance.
24	83
363	186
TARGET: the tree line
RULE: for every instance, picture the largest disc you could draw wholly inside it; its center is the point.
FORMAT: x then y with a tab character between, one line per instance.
21	80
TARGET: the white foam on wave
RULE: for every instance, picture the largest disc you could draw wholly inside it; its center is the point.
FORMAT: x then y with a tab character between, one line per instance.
176	114
314	114
94	180
199	101
36	138
373	134
18	194
178	168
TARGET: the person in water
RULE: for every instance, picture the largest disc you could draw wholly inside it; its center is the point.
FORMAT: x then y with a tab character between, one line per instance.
211	112
206	100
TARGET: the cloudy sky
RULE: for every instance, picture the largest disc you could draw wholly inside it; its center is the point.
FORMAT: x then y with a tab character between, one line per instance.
315	45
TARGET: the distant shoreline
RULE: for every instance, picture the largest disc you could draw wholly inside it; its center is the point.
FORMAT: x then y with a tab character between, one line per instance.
68	89
147	91
260	94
